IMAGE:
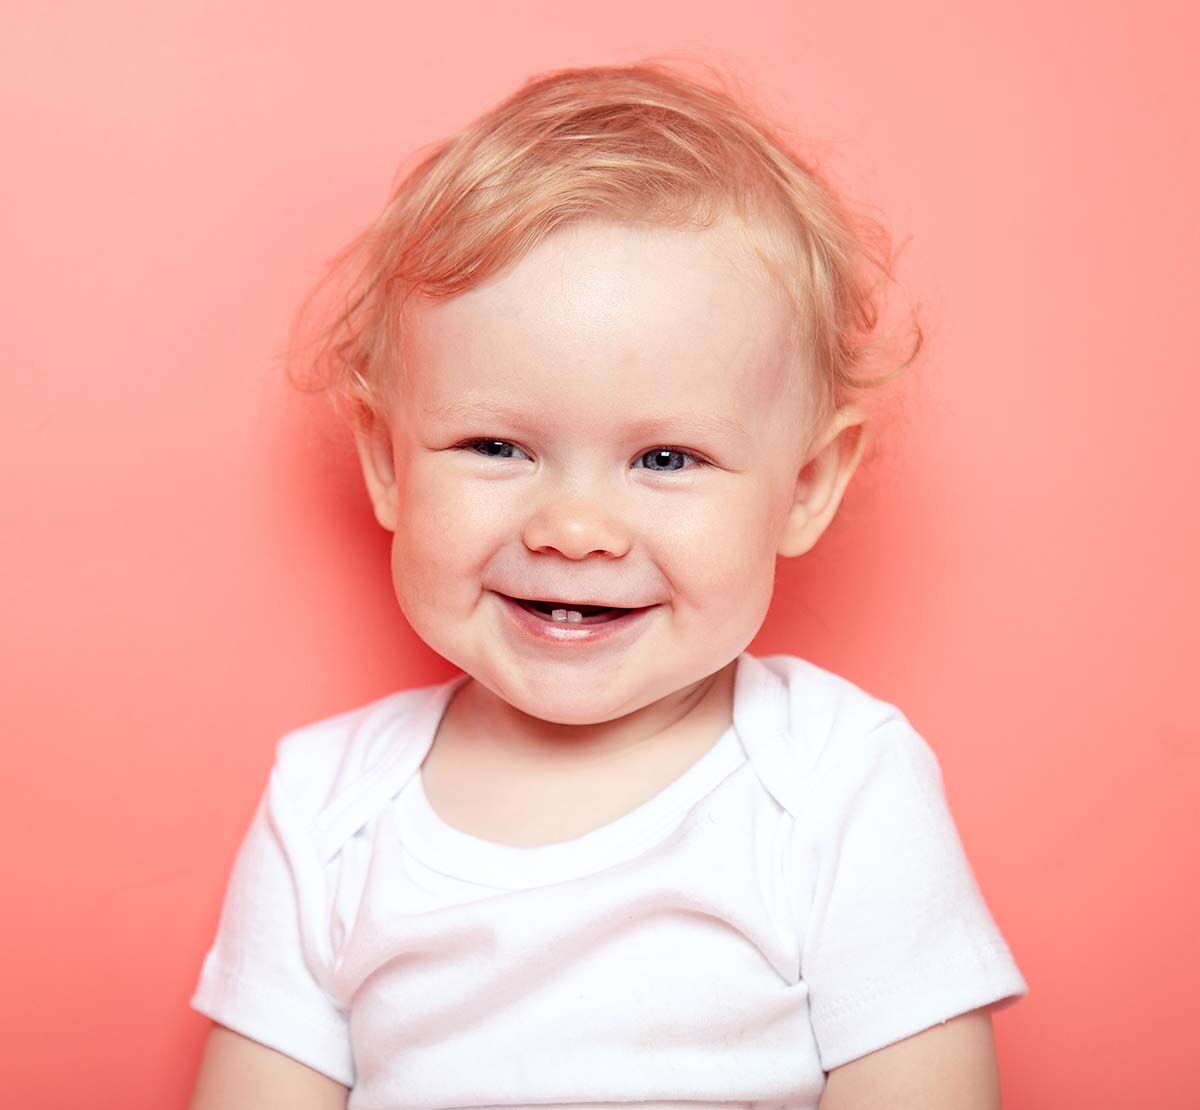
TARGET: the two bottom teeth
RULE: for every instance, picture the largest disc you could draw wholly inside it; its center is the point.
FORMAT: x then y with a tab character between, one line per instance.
566	615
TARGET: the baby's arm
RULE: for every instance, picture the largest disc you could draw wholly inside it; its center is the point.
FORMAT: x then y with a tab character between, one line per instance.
278	1040
949	1066
237	1073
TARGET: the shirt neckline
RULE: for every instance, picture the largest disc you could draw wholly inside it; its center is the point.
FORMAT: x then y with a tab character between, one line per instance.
453	852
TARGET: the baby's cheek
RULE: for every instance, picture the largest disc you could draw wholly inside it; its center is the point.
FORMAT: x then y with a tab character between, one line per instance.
427	503
423	548
447	536
723	550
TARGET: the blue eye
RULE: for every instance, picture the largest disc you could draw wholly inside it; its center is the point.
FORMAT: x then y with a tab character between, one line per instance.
668	458
660	460
492	448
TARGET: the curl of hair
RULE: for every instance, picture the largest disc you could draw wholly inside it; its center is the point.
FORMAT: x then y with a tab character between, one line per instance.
642	143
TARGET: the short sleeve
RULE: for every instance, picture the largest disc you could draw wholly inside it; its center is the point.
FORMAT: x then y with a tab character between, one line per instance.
898	936
262	977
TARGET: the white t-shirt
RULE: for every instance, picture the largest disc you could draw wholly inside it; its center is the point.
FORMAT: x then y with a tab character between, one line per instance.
798	897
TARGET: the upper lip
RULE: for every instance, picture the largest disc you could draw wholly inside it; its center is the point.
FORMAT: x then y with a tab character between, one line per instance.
550	600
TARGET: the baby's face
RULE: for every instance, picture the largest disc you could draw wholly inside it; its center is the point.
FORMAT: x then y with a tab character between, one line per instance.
612	421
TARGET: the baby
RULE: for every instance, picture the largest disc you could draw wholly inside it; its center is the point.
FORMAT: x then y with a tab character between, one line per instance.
598	364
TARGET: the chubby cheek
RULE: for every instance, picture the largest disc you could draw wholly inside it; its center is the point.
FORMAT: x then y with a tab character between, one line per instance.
444	537
719	556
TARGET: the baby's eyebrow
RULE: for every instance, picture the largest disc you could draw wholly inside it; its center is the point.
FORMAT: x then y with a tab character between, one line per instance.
455	410
679	423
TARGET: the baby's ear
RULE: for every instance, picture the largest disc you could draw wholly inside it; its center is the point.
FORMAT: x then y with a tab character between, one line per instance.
822	480
373	438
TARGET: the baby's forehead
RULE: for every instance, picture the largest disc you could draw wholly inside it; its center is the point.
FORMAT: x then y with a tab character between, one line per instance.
699	261
659	310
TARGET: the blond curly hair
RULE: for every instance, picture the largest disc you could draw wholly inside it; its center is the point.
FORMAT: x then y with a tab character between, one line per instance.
644	143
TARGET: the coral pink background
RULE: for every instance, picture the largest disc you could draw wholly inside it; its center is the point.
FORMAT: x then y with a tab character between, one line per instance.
191	567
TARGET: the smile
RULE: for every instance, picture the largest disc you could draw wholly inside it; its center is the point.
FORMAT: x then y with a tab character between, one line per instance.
568	622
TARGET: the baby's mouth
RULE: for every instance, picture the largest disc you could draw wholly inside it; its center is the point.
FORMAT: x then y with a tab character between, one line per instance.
564	612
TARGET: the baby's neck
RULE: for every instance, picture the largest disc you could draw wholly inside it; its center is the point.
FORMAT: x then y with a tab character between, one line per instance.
488	777
482	728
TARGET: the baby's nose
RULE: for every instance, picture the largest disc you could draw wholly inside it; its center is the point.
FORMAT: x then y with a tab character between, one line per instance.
576	527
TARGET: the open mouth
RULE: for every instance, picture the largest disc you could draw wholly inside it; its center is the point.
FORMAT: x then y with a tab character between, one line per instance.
564	612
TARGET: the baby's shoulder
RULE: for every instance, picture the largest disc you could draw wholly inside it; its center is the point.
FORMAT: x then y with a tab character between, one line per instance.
820	709
320	762
821	724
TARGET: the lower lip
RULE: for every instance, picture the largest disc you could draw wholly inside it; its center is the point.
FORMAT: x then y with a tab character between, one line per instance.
572	632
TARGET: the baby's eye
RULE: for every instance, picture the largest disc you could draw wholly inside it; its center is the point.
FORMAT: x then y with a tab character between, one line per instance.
492	448
668	458
660	459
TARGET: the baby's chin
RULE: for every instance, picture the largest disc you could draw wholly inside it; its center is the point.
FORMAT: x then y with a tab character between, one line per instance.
579	699
554	704
569	716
